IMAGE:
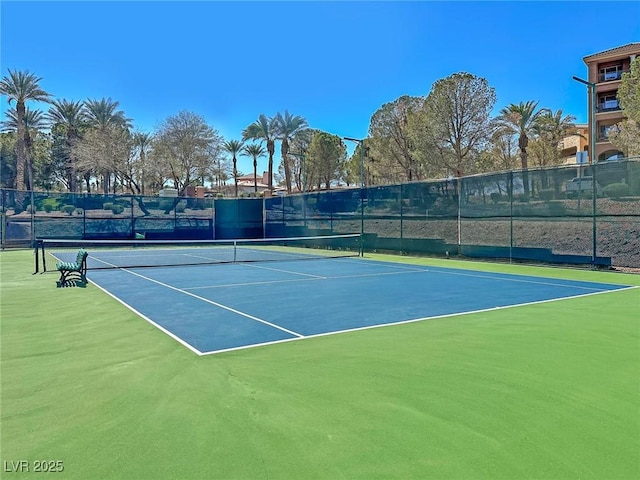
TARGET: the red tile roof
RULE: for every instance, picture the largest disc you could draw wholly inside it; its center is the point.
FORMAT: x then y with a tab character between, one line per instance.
628	48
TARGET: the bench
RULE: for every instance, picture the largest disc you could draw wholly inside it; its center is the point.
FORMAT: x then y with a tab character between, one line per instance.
73	274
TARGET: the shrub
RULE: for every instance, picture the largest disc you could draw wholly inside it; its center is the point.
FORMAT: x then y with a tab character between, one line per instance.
166	204
107	206
616	190
117	208
180	207
49	204
68	209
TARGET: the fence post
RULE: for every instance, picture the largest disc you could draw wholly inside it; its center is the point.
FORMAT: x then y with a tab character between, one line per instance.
401	219
510	216
459	190
594	194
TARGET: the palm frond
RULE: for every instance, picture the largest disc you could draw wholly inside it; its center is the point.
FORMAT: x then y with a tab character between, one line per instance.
22	86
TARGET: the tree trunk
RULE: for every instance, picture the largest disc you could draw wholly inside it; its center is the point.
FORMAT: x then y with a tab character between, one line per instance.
255	176
271	150
20	147
235	174
523	142
285	162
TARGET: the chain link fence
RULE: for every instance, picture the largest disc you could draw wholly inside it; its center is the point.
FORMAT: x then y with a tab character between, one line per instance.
550	215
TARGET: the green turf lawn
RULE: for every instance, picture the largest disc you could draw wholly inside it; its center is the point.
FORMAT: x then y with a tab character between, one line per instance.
547	391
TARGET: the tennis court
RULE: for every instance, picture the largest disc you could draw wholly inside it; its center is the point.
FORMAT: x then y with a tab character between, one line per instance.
265	293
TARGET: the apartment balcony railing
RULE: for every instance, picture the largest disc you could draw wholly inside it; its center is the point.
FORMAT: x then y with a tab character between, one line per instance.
608	107
610	76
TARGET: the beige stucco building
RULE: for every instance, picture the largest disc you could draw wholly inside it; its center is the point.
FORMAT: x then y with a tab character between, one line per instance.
572	144
605	71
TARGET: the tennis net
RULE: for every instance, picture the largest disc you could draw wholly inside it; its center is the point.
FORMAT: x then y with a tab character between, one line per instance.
105	254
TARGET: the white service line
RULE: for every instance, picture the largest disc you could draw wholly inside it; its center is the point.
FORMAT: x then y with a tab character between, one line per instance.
298	280
283	271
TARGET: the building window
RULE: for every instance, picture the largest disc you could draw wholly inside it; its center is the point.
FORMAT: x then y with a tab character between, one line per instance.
608	102
604	131
610	73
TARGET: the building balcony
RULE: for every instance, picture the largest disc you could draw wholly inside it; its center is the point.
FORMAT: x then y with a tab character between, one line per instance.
610	76
608	107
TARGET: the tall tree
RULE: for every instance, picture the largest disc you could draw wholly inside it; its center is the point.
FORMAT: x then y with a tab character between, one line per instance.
392	142
297	155
33	122
326	156
234	147
184	145
520	120
68	116
287	126
7	159
142	144
254	151
264	128
458	118
105	152
21	87
105	119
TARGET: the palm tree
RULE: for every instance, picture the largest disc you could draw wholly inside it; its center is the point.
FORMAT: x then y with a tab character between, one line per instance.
103	114
69	115
263	129
22	87
287	126
33	122
142	142
520	120
256	151
552	127
233	147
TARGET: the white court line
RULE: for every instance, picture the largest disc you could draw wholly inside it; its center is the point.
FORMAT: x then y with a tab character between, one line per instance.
283	271
158	326
298	280
505	277
415	320
220	305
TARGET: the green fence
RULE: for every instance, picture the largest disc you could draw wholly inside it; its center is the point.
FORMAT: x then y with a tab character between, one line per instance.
549	215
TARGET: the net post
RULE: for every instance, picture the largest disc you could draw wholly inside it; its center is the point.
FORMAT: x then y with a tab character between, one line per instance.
44	261
35	252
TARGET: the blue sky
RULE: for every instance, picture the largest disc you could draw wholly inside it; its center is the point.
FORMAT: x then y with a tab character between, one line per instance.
334	63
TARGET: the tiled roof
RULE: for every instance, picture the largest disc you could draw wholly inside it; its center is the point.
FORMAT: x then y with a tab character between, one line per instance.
628	48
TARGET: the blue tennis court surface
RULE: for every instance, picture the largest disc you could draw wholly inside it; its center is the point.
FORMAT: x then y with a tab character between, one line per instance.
218	308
